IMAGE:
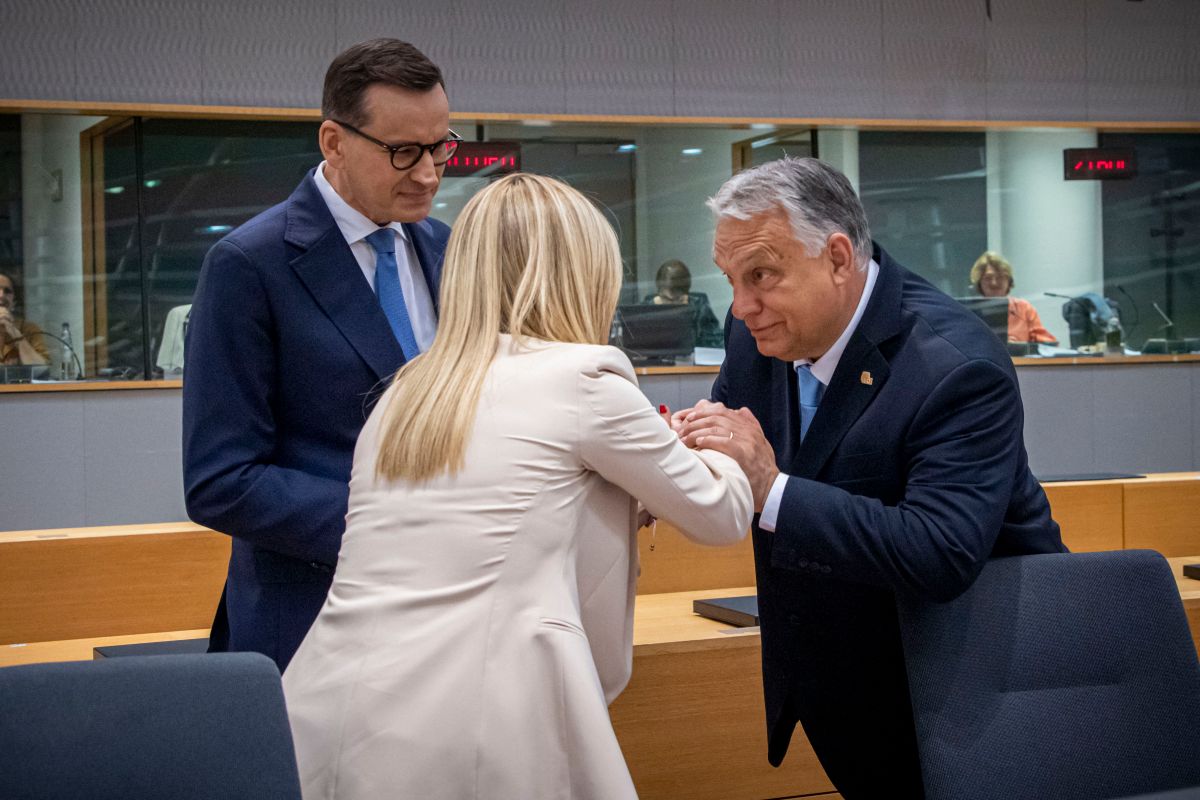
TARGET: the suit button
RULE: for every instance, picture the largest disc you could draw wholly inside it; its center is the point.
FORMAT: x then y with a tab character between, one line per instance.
827	569
803	563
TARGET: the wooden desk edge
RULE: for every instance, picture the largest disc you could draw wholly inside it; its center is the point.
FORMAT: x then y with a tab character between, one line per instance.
60	534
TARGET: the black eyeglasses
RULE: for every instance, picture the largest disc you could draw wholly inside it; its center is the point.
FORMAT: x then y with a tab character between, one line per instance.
406	156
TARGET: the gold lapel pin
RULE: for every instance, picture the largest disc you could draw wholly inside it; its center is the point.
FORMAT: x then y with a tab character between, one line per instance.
865	379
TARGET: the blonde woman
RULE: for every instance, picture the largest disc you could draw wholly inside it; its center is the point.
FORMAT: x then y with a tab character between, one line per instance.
480	619
992	276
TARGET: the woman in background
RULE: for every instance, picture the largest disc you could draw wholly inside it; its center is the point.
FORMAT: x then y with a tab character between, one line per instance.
481	614
21	341
992	276
673	283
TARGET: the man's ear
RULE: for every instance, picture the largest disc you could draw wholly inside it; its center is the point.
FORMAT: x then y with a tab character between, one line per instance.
332	139
841	257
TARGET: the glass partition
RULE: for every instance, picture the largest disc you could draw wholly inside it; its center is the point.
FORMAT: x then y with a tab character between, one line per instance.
104	223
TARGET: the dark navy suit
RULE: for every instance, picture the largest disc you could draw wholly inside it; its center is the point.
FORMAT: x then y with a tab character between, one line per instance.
287	350
912	474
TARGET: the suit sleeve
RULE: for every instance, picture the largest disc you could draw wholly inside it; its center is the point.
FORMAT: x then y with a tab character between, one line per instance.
702	493
962	452
229	427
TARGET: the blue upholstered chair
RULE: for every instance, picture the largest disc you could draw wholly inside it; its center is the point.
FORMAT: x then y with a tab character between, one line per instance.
1056	677
147	727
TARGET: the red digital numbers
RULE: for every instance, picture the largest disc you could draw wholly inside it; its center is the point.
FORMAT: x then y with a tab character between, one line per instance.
483	159
1099	163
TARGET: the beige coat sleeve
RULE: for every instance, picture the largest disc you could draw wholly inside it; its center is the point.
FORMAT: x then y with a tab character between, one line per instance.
703	493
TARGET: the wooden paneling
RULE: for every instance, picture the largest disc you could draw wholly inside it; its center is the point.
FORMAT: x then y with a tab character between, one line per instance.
87	386
58	585
1090	514
1161	514
677	565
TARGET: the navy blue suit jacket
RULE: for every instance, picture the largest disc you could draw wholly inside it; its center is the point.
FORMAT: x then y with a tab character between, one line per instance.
287	350
912	475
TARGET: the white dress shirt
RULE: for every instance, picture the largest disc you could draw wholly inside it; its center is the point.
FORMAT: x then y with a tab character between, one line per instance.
822	369
355	229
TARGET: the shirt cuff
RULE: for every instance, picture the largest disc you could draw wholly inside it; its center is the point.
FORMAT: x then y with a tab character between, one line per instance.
770	512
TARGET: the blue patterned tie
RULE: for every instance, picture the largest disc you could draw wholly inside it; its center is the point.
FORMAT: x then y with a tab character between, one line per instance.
811	392
391	296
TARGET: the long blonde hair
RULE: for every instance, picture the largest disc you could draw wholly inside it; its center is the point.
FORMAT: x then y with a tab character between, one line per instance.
528	256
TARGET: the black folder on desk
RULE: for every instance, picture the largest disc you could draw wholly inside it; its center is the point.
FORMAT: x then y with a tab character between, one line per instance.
174	647
741	612
1087	476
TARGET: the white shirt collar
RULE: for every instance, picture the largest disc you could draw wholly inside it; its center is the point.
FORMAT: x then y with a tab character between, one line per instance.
352	223
824	367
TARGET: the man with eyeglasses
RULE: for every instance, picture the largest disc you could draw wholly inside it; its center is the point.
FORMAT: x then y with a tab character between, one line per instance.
300	319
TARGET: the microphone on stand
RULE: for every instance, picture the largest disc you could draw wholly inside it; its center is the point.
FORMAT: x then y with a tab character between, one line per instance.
1166	344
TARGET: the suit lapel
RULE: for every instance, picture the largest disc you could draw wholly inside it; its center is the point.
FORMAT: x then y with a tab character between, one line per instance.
844	402
328	270
861	372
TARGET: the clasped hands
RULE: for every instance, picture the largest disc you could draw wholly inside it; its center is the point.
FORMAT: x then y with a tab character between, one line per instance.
737	434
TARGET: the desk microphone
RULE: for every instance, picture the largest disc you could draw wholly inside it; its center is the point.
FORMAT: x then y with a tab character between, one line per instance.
1166	319
1167	344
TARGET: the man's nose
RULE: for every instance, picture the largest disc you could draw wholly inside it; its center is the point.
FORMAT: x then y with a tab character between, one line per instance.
424	172
743	304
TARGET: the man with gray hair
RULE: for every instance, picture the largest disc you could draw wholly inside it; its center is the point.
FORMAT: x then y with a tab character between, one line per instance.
880	425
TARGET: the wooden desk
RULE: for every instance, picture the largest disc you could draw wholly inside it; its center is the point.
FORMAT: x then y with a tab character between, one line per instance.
1151	513
1090	514
125	579
1161	513
86	582
678	565
691	722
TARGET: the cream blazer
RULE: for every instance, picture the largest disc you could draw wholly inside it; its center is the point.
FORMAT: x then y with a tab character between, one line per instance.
480	623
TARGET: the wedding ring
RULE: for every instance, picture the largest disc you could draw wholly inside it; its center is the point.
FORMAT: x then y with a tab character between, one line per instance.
731	434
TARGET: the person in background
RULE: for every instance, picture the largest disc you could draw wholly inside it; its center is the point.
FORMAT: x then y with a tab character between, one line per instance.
880	426
480	619
992	276
674	287
300	316
21	341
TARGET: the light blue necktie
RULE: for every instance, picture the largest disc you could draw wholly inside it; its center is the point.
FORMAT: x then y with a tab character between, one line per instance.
811	392
391	296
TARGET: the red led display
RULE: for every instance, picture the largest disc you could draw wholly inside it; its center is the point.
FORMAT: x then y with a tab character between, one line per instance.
483	159
1099	163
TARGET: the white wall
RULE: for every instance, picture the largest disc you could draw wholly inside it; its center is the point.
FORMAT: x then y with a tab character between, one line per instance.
838	147
677	223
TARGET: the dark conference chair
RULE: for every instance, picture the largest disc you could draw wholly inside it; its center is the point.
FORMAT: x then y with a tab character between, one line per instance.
1056	676
147	727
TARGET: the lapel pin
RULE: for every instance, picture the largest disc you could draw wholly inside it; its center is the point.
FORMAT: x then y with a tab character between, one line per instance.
865	379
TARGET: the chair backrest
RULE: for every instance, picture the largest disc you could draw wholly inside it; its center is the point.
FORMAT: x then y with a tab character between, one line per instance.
1057	676
178	727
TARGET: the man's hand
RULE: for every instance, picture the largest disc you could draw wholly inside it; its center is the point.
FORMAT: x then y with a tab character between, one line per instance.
736	434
